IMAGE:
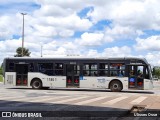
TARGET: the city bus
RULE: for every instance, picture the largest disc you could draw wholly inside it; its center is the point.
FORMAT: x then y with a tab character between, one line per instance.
115	74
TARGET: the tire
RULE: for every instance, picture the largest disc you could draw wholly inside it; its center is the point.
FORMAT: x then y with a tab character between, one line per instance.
116	86
36	84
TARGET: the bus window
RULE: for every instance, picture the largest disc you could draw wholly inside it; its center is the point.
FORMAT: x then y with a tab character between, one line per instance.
46	68
117	69
90	69
103	73
11	66
140	69
25	71
77	70
144	71
31	67
103	69
59	69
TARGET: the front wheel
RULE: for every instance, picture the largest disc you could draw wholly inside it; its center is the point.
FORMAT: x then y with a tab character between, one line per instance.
37	84
116	86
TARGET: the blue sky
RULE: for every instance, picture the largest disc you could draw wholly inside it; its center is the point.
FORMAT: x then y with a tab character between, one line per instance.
87	28
13	7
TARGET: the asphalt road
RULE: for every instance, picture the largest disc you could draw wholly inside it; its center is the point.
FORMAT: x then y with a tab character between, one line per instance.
78	104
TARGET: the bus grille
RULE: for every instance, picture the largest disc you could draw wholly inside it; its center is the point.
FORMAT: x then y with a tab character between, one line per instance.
10	79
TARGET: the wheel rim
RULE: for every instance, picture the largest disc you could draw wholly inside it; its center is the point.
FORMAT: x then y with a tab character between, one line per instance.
36	84
115	86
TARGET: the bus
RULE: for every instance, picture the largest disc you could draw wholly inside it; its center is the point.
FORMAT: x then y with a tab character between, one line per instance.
115	74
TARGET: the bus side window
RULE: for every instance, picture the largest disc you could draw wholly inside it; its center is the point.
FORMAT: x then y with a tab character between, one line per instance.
113	73
31	67
46	68
103	69
117	69
11	66
25	69
90	69
59	69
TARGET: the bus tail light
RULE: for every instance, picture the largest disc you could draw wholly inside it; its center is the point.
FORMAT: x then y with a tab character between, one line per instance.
131	83
68	81
18	81
25	81
76	81
140	83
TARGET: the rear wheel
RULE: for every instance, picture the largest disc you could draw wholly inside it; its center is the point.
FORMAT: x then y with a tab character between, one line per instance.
116	86
36	84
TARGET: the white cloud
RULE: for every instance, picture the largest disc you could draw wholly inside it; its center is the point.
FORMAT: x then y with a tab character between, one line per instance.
124	51
138	14
64	6
120	32
153	58
90	39
92	53
45	31
8	26
55	23
9	45
72	21
151	43
66	33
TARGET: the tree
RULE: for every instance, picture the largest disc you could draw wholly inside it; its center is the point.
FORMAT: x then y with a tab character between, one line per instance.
19	52
156	72
1	71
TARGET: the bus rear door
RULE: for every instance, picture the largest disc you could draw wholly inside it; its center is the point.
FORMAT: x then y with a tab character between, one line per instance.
21	74
72	77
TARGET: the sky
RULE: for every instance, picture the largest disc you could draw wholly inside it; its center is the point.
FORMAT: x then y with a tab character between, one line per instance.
89	28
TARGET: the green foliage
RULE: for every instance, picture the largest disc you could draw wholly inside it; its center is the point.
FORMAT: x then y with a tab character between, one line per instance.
156	72
19	52
1	78
1	71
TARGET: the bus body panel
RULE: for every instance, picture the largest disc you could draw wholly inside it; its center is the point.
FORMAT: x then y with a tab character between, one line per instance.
48	81
148	84
10	78
102	82
87	82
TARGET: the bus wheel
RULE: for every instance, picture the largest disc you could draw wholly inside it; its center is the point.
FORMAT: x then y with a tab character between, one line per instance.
36	84
116	86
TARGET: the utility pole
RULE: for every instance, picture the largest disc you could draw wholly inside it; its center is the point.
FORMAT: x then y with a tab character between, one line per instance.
23	14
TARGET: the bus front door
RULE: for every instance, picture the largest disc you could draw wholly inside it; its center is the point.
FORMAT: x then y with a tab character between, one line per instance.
21	74
135	77
72	77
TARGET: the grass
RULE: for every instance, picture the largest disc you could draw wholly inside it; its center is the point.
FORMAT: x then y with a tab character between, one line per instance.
1	78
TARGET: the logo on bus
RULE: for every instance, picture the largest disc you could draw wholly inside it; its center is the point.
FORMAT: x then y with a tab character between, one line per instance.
101	80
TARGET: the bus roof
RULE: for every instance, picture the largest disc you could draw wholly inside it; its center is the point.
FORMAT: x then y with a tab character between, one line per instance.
77	58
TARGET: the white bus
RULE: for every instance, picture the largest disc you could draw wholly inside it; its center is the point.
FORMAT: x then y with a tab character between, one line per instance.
115	74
